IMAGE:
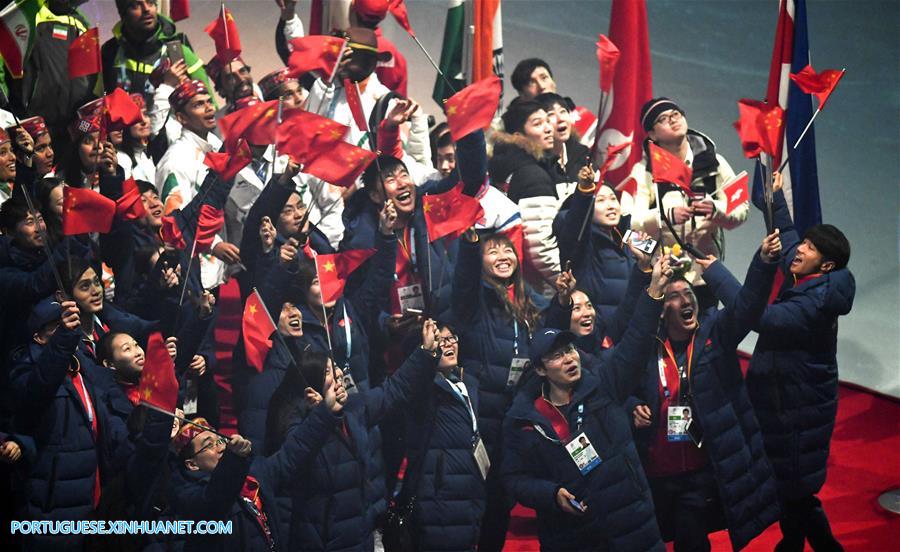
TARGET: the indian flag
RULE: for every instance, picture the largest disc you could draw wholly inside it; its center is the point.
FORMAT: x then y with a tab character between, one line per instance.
17	33
473	45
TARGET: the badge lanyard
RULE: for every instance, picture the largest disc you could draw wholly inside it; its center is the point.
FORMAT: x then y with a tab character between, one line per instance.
670	356
87	399
579	419
348	336
460	391
408	247
515	339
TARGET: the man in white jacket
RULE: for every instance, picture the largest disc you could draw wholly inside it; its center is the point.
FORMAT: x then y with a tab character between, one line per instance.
699	219
181	170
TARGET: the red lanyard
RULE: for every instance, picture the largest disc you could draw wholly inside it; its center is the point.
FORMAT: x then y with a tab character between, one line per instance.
668	363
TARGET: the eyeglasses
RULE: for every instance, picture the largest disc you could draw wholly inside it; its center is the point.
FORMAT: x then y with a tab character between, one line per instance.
449	340
217	443
560	353
669	118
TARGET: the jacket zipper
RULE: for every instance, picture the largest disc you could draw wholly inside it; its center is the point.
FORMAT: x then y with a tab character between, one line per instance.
52	483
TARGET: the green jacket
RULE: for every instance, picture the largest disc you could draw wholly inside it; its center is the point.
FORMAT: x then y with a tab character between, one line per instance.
128	64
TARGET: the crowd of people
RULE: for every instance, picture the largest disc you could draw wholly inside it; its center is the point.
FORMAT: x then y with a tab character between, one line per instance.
542	357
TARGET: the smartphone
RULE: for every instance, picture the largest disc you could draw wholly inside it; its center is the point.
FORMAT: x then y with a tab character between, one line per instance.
647	246
174	51
694	432
575	504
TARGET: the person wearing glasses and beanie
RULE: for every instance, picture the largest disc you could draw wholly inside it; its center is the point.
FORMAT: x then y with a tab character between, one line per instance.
699	219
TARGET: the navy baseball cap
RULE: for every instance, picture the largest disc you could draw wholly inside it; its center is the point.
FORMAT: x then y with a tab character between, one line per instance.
546	341
48	310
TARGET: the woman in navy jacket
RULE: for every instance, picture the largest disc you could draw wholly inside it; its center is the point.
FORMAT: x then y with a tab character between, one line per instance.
727	479
600	261
441	437
793	375
496	316
332	494
588	506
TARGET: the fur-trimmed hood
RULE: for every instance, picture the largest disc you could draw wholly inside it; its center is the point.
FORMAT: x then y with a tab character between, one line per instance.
510	152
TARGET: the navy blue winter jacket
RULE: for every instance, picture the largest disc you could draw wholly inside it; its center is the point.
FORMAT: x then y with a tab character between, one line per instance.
332	493
59	483
600	263
450	494
721	405
793	376
535	465
488	341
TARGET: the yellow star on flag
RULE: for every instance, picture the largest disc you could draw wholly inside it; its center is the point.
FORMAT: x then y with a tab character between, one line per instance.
451	110
252	310
147	394
427	207
329	266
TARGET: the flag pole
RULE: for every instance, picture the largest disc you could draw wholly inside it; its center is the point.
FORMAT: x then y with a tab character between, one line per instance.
433	64
324	312
797	143
188	273
184	420
225	25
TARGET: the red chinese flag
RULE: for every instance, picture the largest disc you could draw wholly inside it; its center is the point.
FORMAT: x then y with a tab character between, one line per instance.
158	387
211	220
223	30
608	57
86	211
84	54
747	127
121	111
450	213
473	107
257	329
340	165
170	233
398	10
736	192
820	85
303	135
227	165
129	206
334	269
315	53
256	124
179	9
665	167
355	104
760	127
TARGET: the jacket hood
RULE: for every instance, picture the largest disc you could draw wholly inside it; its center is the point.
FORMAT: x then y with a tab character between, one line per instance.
510	153
840	292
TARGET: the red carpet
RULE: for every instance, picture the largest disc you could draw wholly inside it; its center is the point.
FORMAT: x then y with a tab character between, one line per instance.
864	462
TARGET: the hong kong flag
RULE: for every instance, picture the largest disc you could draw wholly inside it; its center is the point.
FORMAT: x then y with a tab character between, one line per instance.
619	119
473	107
450	213
736	192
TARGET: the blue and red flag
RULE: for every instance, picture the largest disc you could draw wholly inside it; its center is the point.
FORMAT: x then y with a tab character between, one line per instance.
790	55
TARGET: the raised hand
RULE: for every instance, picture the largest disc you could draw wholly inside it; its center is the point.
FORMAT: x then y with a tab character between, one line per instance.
565	287
400	113
288	253
662	273
430	336
387	218
770	251
172	347
586	176
238	445
71	317
267	234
